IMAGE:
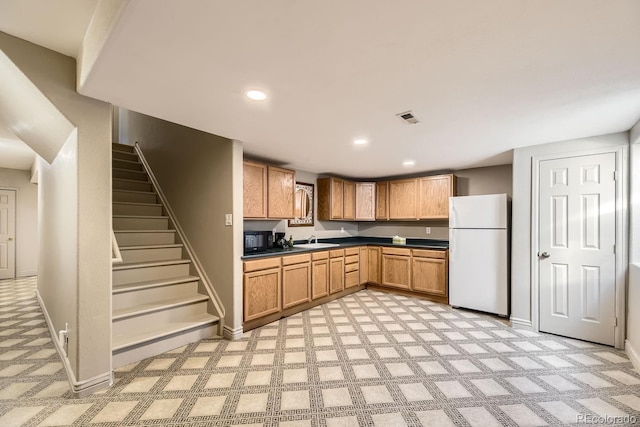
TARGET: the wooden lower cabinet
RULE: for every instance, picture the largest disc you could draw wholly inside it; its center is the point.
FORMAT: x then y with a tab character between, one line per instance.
396	268
319	275
261	293
364	265
336	274
296	284
429	272
375	254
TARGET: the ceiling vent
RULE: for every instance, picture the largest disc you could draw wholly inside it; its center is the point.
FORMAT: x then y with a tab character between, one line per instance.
409	117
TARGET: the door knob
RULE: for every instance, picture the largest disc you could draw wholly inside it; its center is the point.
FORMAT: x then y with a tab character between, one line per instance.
544	254
10	239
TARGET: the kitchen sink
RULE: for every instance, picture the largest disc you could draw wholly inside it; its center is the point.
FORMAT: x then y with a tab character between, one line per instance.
316	245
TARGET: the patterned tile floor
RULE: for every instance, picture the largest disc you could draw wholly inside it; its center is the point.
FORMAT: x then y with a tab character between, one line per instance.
366	359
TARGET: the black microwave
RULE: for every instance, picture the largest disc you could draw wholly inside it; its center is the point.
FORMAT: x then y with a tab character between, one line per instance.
257	241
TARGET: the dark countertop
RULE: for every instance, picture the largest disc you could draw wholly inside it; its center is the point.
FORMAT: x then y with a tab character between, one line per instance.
346	242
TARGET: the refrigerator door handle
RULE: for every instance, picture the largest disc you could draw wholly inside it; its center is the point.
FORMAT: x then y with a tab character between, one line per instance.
452	244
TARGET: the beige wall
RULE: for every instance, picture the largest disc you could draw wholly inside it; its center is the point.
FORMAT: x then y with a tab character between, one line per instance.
196	172
74	219
26	219
521	255
633	295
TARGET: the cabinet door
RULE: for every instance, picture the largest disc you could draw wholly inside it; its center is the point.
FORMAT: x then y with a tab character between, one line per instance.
434	196
337	198
374	265
254	184
382	200
336	278
396	271
320	278
296	284
365	201
403	200
364	265
429	275
281	194
261	293
349	201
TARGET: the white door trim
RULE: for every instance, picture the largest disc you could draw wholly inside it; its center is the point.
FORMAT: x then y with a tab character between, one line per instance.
622	183
15	228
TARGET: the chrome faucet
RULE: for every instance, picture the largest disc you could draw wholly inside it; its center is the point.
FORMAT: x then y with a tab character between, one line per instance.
312	238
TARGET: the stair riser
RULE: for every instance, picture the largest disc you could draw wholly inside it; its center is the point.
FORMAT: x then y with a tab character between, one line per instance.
136	210
122	155
122	147
121	277
141	239
126	356
129	174
134	197
140	223
144	255
131	185
133	298
174	314
120	164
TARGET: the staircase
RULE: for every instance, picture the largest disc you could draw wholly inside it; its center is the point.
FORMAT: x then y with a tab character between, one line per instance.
158	300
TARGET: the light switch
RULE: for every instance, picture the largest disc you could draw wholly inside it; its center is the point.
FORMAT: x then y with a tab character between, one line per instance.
228	219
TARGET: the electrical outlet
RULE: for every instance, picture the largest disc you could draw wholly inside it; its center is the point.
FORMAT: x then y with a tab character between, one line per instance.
427	230
228	219
342	229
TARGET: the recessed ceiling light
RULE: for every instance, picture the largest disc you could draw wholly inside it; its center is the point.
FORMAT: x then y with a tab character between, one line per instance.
360	141
408	163
256	95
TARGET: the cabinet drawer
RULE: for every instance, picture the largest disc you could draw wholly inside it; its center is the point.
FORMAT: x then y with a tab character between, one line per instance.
351	251
316	256
429	253
351	267
353	259
396	251
351	279
336	253
296	259
261	264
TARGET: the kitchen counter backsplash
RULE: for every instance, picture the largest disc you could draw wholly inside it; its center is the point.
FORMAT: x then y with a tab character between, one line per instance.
351	241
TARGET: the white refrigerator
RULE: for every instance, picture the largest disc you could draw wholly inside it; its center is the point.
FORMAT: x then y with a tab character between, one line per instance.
479	253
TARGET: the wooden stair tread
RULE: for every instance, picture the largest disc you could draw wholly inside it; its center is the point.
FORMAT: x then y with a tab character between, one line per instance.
135	162
158	305
142	216
137	181
159	246
123	341
137	204
128	170
132	265
148	284
122	147
144	231
133	191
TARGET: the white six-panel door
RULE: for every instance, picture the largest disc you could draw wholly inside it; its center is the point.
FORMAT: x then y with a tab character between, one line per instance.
7	234
577	229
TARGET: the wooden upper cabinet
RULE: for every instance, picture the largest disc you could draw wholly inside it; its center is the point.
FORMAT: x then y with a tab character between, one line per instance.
255	190
365	201
403	199
330	198
281	193
434	196
349	200
382	200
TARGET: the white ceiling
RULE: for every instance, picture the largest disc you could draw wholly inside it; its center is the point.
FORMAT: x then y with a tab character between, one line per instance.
15	154
484	77
58	25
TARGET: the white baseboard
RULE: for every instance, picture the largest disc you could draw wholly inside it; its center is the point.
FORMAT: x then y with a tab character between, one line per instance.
232	334
78	388
633	354
521	323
